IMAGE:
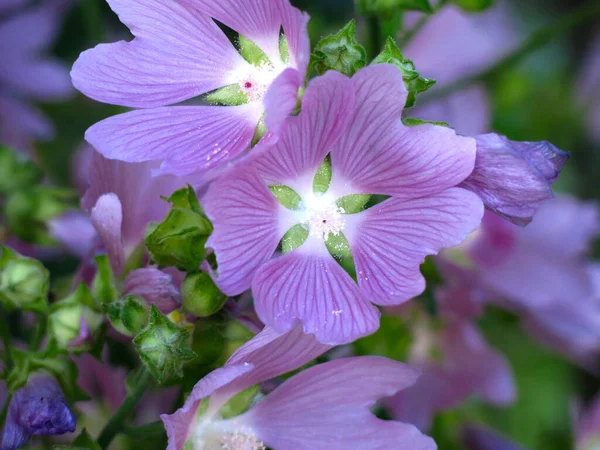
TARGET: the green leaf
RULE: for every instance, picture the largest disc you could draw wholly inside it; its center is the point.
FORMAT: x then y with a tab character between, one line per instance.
322	178
163	347
24	282
201	296
413	122
386	7
179	239
252	52
231	95
16	171
286	196
294	238
474	5
415	84
354	203
393	340
340	52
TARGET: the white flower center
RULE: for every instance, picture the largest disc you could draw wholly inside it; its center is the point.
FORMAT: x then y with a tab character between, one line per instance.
217	434
322	215
255	81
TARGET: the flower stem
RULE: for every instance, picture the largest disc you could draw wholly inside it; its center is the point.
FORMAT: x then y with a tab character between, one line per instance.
537	40
116	422
407	37
6	340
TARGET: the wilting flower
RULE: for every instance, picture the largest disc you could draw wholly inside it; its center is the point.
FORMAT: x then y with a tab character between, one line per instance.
513	178
179	53
417	166
26	74
38	409
326	403
539	271
454	44
455	361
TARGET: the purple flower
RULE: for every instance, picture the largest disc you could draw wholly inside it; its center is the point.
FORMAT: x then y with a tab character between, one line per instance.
480	438
26	73
417	166
179	53
480	40
588	91
155	286
38	409
513	178
122	198
325	404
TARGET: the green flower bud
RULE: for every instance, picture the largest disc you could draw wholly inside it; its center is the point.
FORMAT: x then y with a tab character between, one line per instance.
201	296
66	317
128	315
179	239
164	347
414	82
24	282
340	52
17	172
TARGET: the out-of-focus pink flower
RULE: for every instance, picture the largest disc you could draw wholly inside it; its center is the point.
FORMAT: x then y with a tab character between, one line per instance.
454	44
26	73
418	167
325	404
179	53
476	437
589	88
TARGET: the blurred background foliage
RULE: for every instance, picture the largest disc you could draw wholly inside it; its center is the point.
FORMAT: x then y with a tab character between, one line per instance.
535	100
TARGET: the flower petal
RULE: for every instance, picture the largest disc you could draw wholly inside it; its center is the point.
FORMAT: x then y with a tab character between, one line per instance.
75	231
155	286
513	178
107	217
330	403
385	157
281	99
394	237
326	108
244	214
196	138
476	437
314	290
178	53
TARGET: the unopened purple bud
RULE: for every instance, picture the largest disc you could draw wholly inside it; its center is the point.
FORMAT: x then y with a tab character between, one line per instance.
155	286
38	409
513	178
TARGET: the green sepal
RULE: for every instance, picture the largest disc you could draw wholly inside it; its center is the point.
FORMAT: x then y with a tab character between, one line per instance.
294	238
339	247
322	178
104	285
259	132
387	7
415	84
64	321
16	171
286	196
474	5
239	403
164	347
231	95
252	52
340	52
284	49
179	239
185	198
413	122
201	296
354	203
24	282
128	315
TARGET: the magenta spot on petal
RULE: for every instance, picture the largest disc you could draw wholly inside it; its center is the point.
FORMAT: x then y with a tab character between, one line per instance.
247	85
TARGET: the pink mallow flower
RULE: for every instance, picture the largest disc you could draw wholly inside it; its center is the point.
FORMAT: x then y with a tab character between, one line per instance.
357	123
27	73
323	407
543	273
179	53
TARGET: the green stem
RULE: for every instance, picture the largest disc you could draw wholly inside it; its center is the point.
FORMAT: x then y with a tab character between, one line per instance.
6	340
116	422
39	332
537	40
407	37
375	41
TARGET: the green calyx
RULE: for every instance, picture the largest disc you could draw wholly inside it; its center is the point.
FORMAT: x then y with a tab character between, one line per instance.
201	296
340	52
24	282
286	196
128	315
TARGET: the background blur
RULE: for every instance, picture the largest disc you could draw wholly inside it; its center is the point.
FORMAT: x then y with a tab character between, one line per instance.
553	94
